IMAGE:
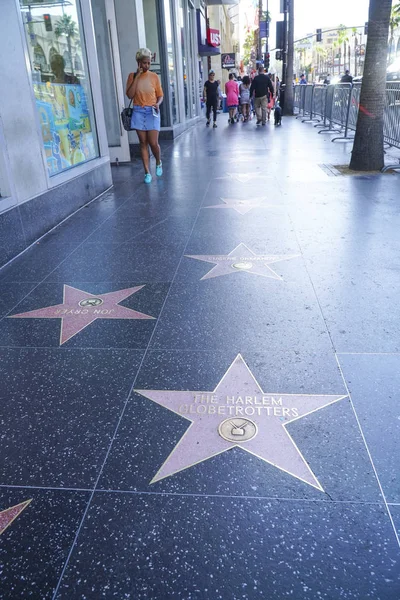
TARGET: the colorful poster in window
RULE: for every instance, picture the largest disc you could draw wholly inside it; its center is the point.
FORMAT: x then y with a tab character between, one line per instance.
66	127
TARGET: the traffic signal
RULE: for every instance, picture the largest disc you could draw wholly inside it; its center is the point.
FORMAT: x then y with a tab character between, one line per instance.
366	28
47	22
319	35
267	60
280	37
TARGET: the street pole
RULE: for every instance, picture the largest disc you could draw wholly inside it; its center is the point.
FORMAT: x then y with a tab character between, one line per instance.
260	3
289	90
285	38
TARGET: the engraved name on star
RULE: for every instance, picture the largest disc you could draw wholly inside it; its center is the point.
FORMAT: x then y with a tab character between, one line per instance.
79	309
242	206
242	259
246	177
239	414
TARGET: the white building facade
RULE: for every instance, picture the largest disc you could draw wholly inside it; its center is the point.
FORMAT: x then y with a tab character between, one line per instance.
64	64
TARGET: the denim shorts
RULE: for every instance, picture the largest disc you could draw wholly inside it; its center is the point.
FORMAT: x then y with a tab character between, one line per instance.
144	120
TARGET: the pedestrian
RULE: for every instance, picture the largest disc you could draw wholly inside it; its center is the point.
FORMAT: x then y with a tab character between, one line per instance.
144	89
278	87
260	87
347	78
211	97
245	97
327	80
303	80
232	97
220	96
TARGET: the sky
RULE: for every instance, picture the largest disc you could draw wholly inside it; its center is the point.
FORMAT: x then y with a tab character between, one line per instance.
313	14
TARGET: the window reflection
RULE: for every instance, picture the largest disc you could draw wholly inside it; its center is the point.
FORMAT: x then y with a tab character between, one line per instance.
60	82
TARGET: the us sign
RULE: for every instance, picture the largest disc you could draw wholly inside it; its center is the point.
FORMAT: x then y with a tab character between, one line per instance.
213	37
228	61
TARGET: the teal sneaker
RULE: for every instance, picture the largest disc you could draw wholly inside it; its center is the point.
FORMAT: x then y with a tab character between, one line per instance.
159	170
147	178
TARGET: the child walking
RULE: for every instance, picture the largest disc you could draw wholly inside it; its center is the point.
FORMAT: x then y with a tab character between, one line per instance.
245	97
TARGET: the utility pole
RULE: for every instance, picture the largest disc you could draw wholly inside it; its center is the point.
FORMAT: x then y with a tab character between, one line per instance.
285	38
260	7
289	97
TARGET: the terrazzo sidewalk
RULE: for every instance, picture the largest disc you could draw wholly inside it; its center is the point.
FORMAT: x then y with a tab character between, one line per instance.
200	382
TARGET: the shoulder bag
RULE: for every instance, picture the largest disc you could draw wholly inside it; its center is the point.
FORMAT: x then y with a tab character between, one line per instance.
126	115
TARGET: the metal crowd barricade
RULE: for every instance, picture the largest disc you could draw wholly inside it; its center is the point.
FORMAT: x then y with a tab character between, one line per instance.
337	106
354	106
300	91
340	105
319	102
330	92
308	101
297	98
391	118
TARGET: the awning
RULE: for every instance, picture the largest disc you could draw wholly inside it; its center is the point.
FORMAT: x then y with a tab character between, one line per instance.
205	50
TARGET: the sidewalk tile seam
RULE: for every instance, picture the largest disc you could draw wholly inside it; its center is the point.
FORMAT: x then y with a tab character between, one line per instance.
74	543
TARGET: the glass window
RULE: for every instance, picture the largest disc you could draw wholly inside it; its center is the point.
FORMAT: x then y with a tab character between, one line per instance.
60	82
182	36
171	60
156	36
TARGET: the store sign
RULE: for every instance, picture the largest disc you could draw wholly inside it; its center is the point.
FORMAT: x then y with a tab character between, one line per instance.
213	37
264	29
228	61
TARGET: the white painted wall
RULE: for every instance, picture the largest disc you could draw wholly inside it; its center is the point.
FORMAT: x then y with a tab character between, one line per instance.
22	138
131	37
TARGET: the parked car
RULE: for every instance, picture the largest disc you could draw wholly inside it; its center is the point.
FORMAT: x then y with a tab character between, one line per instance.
393	71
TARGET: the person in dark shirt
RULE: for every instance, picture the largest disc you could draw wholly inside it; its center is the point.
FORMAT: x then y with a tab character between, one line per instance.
347	78
211	97
260	86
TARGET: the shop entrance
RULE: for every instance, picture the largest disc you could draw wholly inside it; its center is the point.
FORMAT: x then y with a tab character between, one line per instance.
112	86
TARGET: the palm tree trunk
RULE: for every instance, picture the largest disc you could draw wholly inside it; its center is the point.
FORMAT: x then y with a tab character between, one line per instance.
70	53
289	95
368	152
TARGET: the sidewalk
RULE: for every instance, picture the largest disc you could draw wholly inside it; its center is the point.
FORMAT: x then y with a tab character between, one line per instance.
200	386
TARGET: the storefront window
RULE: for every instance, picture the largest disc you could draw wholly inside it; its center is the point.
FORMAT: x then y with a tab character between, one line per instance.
182	36
60	82
157	36
193	53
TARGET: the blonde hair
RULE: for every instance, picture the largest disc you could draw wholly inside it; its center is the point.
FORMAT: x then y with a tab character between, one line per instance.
143	53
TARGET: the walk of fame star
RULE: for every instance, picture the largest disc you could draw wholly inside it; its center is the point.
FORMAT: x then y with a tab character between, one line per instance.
239	414
242	259
246	177
9	515
242	206
79	309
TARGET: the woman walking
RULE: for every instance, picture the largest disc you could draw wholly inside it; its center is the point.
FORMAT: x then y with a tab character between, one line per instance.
232	97
144	88
245	97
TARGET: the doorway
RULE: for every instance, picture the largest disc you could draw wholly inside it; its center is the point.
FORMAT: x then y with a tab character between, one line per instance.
112	86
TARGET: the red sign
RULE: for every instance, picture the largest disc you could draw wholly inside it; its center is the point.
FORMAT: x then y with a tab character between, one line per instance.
213	37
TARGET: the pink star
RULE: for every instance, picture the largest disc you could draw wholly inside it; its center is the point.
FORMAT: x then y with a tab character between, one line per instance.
242	206
79	309
242	259
8	515
239	414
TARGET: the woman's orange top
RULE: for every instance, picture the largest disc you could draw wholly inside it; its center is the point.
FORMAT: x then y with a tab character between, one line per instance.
148	89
